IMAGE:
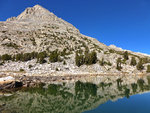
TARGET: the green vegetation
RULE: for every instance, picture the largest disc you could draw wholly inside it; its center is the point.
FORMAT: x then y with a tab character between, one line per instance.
102	62
85	94
119	84
57	69
119	81
133	61
89	88
88	59
140	65
13	45
33	41
140	83
65	52
54	56
79	59
41	57
54	89
127	92
64	63
30	66
21	70
6	57
148	79
102	85
125	55
25	56
112	51
134	87
145	60
148	69
119	67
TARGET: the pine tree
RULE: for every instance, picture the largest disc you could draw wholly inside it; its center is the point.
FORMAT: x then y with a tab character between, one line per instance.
41	57
119	64
125	55
140	65
148	69
79	59
133	61
54	56
6	57
93	57
102	62
90	58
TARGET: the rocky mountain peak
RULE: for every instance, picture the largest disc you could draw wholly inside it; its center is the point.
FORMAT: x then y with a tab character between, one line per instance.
36	30
36	13
38	7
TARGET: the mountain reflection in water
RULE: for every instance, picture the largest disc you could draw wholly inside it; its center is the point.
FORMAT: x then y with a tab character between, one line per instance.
75	97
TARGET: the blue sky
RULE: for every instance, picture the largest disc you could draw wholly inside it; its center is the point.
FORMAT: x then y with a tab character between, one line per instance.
124	23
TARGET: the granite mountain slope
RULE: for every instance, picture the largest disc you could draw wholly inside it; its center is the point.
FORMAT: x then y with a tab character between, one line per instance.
38	30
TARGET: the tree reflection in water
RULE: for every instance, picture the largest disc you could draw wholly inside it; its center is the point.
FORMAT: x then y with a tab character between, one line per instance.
69	97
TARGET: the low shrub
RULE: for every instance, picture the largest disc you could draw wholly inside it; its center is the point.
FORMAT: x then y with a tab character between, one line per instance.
21	70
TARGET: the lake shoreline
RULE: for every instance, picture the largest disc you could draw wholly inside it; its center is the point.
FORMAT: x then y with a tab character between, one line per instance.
24	80
99	88
18	73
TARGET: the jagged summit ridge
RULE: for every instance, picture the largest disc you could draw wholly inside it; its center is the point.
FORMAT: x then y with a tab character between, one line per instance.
39	16
36	13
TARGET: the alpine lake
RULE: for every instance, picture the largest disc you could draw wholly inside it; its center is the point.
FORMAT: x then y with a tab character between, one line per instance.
90	95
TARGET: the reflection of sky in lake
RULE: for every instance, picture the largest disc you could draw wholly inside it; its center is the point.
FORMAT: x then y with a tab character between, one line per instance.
139	103
80	97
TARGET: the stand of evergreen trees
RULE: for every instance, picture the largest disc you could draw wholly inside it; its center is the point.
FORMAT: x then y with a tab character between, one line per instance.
88	58
54	56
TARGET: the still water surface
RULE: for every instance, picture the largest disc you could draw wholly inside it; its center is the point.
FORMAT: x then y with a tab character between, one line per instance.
80	97
139	103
